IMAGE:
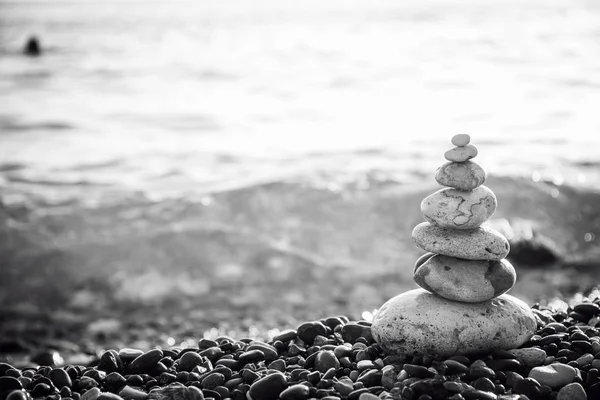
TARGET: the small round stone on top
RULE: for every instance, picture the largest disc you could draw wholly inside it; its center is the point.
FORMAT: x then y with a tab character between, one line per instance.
462	139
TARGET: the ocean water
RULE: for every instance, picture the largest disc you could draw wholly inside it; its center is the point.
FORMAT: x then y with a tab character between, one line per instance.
173	99
278	150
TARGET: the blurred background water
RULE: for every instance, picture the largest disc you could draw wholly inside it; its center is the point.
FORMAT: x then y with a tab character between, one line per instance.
219	155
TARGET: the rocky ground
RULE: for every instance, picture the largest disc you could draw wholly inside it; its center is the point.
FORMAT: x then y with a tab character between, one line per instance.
332	358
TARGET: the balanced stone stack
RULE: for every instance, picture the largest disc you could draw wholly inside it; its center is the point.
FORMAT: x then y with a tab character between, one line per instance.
461	307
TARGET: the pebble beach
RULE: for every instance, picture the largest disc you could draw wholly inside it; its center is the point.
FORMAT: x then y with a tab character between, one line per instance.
210	178
333	358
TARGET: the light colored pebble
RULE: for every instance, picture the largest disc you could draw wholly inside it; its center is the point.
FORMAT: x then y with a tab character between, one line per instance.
573	391
91	394
475	244
531	356
418	322
585	360
461	154
463	175
554	375
459	209
462	139
468	281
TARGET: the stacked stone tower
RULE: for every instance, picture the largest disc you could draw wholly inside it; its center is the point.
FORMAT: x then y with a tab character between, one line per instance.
461	307
466	262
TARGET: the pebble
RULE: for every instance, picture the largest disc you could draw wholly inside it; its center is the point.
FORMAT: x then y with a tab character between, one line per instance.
268	351
60	378
308	331
268	387
91	394
145	362
461	153
461	139
352	331
189	360
18	395
572	391
554	375
8	383
127	355
418	322
531	356
326	360
459	209
468	281
110	361
295	392
463	176
474	244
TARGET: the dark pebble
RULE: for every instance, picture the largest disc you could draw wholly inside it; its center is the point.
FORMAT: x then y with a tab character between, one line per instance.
8	383
41	390
110	362
213	380
295	392
60	378
268	387
352	331
308	331
115	379
188	361
146	362
370	378
326	360
529	387
555	338
503	364
456	367
418	371
252	356
18	395
285	336
213	353
135	380
85	382
484	384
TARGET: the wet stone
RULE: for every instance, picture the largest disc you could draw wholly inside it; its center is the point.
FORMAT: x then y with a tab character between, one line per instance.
308	331
268	387
146	362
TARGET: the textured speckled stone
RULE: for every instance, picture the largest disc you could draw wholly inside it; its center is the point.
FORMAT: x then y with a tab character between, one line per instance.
418	322
460	175
459	209
461	154
462	139
473	244
465	280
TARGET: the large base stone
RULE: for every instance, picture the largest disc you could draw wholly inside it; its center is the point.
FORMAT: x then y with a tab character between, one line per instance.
418	322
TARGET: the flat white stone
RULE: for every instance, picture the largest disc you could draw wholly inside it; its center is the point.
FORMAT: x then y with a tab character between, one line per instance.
459	209
418	322
465	280
471	244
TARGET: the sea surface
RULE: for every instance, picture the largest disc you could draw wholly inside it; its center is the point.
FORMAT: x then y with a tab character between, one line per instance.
169	98
187	147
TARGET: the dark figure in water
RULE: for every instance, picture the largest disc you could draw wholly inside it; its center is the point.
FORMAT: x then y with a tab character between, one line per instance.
32	47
